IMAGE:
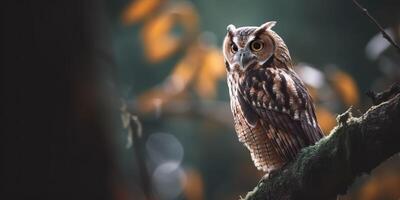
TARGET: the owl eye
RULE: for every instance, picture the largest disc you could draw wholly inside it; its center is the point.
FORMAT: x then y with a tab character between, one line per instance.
234	48
256	45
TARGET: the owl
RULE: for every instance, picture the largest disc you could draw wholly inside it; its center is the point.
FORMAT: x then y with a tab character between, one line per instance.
273	112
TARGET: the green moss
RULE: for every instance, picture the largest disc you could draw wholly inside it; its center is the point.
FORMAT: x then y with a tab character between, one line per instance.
326	169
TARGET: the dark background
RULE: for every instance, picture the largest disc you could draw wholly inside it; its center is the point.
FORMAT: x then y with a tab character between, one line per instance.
67	64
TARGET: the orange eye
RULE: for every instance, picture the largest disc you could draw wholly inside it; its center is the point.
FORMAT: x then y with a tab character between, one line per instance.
256	46
234	48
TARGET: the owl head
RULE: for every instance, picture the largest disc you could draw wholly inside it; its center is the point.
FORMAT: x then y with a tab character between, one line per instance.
248	47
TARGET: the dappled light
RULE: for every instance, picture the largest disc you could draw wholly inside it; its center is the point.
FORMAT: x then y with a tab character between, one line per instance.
182	47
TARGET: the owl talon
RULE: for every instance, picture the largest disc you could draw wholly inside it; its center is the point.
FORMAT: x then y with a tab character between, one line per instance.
269	174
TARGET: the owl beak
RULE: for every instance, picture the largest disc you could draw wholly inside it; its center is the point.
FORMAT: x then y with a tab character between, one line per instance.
244	58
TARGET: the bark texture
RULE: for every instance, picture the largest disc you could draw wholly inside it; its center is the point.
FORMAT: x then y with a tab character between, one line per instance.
355	146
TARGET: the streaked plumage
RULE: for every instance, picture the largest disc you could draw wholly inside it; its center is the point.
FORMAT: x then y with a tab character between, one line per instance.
272	109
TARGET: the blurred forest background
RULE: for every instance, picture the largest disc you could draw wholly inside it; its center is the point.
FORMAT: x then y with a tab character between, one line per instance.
170	73
89	66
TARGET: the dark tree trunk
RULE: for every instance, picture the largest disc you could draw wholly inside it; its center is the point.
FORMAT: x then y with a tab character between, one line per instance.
55	143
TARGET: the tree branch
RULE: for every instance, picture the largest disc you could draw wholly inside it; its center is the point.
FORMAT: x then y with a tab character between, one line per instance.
372	19
354	147
378	98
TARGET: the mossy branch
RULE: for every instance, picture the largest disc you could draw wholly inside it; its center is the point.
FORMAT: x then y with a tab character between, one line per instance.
355	146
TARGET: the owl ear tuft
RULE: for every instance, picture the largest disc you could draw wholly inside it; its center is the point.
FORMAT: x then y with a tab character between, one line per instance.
266	26
230	28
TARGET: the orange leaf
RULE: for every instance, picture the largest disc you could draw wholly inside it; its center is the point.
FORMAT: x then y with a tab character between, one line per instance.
345	87
156	98
384	184
326	119
212	70
183	73
194	187
159	40
174	85
139	9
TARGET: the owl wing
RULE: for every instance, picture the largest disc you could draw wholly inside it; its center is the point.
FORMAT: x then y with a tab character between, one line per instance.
279	101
